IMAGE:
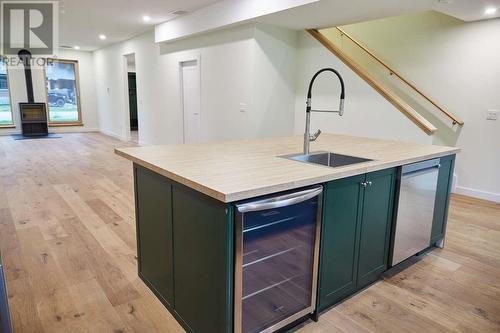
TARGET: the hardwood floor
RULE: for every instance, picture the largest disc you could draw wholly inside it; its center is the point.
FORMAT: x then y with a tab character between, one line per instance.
67	238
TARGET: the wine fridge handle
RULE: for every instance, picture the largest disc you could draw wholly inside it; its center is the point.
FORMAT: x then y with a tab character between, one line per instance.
280	201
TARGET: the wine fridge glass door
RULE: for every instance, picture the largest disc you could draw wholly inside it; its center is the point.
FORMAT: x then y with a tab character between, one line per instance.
278	264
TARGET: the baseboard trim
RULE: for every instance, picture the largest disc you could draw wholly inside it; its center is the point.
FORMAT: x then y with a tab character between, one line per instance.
4	132
144	143
59	130
470	192
113	135
63	130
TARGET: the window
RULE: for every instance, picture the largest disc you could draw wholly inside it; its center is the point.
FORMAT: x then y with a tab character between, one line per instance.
6	119
63	95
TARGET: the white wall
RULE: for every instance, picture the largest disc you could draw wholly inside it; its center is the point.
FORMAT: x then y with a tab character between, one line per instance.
367	113
274	80
110	67
264	68
248	65
458	65
17	85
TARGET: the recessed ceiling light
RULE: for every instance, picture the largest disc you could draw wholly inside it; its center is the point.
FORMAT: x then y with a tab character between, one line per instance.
445	2
77	47
103	37
146	18
490	11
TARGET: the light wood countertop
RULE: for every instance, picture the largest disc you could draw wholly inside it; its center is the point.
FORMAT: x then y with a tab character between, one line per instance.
236	170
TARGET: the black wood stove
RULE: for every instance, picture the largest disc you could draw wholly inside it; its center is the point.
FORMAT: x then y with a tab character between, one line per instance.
33	115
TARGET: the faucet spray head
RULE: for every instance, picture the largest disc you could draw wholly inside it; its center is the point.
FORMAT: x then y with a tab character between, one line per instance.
341	107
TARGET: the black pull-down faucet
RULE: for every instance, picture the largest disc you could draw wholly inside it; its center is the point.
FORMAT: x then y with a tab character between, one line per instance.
307	136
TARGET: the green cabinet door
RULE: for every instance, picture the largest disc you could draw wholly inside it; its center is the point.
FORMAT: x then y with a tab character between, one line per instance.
355	234
203	261
338	262
445	178
154	232
185	251
375	226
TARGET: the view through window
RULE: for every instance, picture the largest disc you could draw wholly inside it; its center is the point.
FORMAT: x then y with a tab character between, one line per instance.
62	92
6	118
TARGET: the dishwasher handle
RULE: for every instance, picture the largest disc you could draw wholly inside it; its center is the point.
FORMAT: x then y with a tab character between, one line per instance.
419	168
419	172
280	201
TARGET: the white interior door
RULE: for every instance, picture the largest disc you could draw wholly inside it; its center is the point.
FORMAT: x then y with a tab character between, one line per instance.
190	83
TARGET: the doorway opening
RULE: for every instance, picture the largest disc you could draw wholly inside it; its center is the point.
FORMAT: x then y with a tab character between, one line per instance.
133	119
191	100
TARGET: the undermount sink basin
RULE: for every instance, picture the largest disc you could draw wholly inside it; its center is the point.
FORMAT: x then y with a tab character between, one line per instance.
327	159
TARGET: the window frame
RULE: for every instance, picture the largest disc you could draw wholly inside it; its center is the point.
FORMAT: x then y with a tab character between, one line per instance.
79	122
13	125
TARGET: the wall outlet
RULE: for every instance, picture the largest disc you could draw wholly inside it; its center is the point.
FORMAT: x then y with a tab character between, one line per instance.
492	115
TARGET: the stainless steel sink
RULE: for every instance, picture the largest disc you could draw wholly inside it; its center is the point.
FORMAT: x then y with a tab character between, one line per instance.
327	159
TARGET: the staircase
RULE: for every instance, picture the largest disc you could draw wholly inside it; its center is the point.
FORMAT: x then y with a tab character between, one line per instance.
416	105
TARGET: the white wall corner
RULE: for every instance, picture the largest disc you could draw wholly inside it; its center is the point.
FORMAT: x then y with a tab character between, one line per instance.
144	143
454	183
113	135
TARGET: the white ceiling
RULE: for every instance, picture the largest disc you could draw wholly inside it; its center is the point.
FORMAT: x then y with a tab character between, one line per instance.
81	21
328	13
468	10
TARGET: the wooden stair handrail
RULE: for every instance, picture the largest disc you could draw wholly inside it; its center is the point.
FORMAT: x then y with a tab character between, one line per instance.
401	105
454	118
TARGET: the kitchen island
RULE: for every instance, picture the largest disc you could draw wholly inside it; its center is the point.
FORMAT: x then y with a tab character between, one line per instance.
189	234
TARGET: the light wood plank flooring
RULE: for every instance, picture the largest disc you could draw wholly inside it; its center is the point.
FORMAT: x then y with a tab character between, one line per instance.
67	238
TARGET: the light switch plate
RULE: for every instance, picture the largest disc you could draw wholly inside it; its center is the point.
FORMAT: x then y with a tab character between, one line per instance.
492	115
243	107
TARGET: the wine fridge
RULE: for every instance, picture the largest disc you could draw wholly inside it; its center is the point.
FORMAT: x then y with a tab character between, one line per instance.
276	259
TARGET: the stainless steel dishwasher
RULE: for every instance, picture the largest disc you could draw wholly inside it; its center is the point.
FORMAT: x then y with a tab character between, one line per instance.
276	260
415	209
